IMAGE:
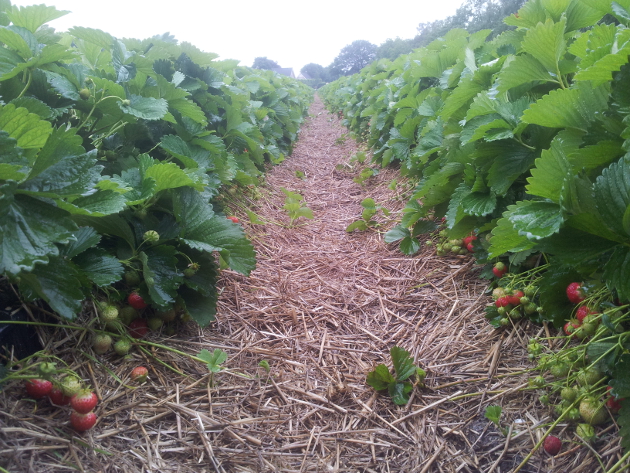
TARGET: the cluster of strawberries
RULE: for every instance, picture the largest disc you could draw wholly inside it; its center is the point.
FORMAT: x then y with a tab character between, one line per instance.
82	401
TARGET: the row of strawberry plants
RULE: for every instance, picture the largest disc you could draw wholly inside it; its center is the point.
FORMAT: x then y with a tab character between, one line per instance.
523	142
113	157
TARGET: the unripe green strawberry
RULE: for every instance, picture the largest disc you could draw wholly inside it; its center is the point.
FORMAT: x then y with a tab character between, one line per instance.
537	382
167	315
568	394
84	94
132	278
154	323
544	399
586	432
530	291
149	280
588	329
70	385
589	376
191	270
122	346
46	370
455	249
504	322
593	411
560	370
101	343
151	236
529	308
498	293
127	314
109	314
125	103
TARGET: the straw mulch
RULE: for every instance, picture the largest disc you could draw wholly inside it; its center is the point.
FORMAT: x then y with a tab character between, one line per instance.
322	309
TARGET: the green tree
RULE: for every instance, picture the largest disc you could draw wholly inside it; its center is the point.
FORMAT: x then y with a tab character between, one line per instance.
264	63
353	58
473	15
314	71
392	48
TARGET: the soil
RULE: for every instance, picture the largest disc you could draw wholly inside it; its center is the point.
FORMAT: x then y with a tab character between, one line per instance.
322	309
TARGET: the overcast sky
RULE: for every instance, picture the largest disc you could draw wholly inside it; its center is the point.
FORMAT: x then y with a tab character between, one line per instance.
292	33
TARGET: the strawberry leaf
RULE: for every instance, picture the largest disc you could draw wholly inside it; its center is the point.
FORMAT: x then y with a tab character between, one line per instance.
399	391
403	363
380	378
621	379
214	360
493	414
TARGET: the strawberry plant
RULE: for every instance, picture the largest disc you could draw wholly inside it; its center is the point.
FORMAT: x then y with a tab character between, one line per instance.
397	385
370	209
119	158
294	206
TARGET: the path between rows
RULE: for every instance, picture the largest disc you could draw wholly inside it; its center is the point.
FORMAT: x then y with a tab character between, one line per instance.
324	307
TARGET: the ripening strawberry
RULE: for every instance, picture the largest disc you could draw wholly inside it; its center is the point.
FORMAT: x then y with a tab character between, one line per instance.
38	388
583	312
82	422
575	292
84	401
499	269
233	218
70	385
571	326
101	343
139	374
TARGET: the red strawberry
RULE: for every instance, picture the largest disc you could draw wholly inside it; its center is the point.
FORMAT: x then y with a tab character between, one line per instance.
470	247
575	292
515	298
469	239
136	301
552	445
138	328
82	422
583	312
38	388
84	401
139	374
57	397
502	301
234	219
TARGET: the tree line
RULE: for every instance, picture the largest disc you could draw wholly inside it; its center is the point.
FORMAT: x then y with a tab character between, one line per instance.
472	15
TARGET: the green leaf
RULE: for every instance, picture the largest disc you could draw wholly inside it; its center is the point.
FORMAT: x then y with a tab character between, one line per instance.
624	421
159	265
553	296
30	229
400	392
9	61
380	378
397	233
84	238
479	204
509	163
573	247
551	169
100	267
204	231
169	176
403	363
202	308
33	16
99	204
214	360
360	225
58	283
617	272
95	36
612	194
568	108
546	43
190	156
9	35
148	108
620	381
493	414
536	220
505	238
30	131
109	225
409	246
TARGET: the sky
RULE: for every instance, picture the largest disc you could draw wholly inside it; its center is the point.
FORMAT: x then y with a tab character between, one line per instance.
292	33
